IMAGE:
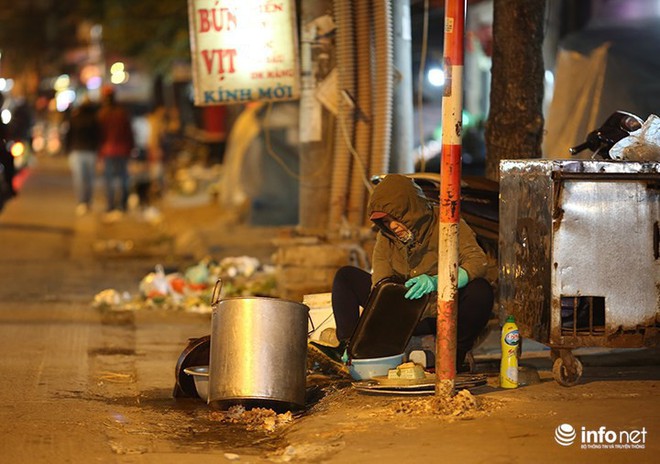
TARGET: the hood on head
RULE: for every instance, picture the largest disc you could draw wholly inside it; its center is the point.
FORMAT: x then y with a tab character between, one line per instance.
402	199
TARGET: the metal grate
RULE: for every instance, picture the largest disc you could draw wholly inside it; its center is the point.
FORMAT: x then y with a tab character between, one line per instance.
582	315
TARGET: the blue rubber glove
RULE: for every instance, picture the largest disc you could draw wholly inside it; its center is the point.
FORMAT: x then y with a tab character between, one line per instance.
420	286
462	277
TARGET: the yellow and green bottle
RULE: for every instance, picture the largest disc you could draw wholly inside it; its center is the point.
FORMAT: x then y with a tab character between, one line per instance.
509	364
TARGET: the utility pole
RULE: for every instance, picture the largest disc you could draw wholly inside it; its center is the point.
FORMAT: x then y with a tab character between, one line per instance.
450	195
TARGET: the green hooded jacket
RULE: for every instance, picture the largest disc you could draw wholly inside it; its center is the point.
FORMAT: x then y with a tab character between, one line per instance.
403	200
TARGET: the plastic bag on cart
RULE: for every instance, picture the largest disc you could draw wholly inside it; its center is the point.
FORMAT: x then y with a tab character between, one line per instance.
641	145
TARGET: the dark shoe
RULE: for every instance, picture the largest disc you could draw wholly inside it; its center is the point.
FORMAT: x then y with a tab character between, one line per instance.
328	358
463	369
333	352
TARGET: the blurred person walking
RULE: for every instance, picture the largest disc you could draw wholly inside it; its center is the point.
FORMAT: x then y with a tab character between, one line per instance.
214	132
82	144
117	142
164	124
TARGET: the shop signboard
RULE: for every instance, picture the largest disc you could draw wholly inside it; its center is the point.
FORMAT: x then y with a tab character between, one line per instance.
243	50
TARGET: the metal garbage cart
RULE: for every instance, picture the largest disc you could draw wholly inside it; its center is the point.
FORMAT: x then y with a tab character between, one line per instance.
579	258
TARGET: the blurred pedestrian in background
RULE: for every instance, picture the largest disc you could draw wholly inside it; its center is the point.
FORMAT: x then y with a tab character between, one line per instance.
117	142
82	144
214	132
164	124
138	168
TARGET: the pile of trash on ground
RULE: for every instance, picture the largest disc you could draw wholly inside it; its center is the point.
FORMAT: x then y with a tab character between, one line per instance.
192	289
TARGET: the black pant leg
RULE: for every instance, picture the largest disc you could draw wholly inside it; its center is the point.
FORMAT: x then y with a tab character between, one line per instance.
475	304
350	290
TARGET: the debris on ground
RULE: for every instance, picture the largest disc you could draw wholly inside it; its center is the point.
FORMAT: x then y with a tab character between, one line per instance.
463	405
110	298
262	419
192	289
193	177
116	377
307	452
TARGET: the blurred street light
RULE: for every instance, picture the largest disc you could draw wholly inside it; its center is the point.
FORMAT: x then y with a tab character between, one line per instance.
436	77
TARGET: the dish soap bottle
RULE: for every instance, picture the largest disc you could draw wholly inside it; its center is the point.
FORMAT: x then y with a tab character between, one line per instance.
509	364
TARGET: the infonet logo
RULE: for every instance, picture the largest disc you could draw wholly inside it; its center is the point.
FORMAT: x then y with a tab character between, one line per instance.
565	434
602	438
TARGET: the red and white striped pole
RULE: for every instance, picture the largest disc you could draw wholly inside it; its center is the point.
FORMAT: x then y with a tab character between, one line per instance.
450	192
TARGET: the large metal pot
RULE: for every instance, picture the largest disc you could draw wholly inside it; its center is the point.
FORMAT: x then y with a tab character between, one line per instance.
258	353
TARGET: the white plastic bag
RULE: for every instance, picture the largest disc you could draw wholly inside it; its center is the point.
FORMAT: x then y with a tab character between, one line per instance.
641	145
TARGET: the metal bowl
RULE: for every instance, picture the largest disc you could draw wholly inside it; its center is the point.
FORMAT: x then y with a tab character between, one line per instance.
201	376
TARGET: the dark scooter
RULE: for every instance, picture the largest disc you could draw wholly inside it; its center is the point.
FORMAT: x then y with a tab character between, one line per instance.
7	172
618	125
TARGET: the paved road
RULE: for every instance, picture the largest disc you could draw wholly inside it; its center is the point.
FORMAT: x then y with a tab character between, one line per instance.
80	385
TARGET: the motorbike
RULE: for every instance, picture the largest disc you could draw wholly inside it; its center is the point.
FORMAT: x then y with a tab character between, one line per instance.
7	171
617	126
5	192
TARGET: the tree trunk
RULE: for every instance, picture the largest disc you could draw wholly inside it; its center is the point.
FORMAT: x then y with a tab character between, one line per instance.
515	123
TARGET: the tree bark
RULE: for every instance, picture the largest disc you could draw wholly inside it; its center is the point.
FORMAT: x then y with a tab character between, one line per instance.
514	129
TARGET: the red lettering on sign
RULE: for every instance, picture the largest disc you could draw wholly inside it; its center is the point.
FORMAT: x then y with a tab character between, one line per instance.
225	59
216	19
271	7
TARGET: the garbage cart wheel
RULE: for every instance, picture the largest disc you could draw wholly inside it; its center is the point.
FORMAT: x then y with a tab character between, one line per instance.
565	376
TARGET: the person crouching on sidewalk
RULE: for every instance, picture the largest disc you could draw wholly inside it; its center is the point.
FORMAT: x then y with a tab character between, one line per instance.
407	247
